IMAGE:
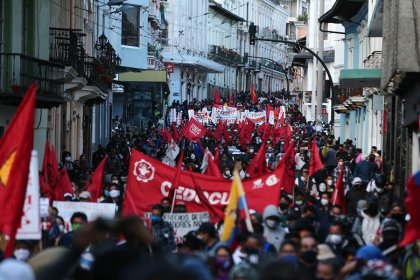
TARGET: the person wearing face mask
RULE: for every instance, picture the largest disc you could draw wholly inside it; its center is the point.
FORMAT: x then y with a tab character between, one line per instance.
390	234
57	230
323	208
354	195
302	181
307	257
371	221
222	263
340	242
114	197
283	209
77	220
22	251
163	233
227	174
273	231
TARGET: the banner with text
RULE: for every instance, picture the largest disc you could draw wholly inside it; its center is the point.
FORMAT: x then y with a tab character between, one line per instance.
183	223
150	180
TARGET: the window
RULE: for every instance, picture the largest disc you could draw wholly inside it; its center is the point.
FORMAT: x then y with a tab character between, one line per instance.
130	35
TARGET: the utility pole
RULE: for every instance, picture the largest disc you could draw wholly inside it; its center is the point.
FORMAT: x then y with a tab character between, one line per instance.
314	13
320	83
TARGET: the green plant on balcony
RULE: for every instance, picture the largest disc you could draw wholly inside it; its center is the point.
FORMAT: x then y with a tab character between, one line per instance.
303	17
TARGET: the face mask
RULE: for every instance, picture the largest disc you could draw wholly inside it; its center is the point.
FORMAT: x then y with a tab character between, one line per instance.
329	182
156	219
193	157
299	202
271	223
75	227
251	151
22	254
114	193
223	264
302	178
309	256
398	217
379	190
115	181
335	239
61	228
227	173
67	158
324	201
283	206
106	193
322	187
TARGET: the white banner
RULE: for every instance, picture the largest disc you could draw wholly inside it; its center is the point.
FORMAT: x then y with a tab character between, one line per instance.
271	117
172	116
183	223
256	117
92	210
31	220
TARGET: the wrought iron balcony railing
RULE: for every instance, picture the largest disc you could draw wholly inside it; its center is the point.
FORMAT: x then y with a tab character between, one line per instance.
18	71
373	61
224	56
66	47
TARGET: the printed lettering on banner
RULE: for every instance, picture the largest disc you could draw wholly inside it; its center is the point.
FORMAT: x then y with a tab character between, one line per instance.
195	130
183	223
202	117
260	192
91	209
179	119
30	227
257	117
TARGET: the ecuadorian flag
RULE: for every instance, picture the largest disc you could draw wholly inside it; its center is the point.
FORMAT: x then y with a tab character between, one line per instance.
236	209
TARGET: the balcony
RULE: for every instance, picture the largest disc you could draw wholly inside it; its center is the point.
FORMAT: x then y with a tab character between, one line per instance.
224	56
96	74
347	99
271	65
18	71
154	15
373	61
66	47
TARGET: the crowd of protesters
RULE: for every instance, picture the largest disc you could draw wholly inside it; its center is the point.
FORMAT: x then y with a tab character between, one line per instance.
304	236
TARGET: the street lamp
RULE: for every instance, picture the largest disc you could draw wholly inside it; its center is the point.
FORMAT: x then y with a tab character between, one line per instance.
103	40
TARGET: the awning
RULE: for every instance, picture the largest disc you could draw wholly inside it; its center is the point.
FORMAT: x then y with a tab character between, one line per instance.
360	78
201	63
376	22
148	76
342	11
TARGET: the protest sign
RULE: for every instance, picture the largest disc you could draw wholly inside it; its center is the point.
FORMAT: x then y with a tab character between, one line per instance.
182	223
91	209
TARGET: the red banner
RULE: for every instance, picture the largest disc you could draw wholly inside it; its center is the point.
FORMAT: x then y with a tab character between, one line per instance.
150	180
193	130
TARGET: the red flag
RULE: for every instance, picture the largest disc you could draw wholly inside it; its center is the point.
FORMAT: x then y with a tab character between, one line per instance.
338	194
175	185
216	96
258	165
193	130
226	133
219	131
215	213
175	134
96	181
412	230
267	132
64	186
287	169
43	178
166	135
212	168
217	156
15	154
53	173
231	102
254	97
315	163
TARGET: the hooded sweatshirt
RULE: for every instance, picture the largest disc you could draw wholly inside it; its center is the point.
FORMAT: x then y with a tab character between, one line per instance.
274	235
